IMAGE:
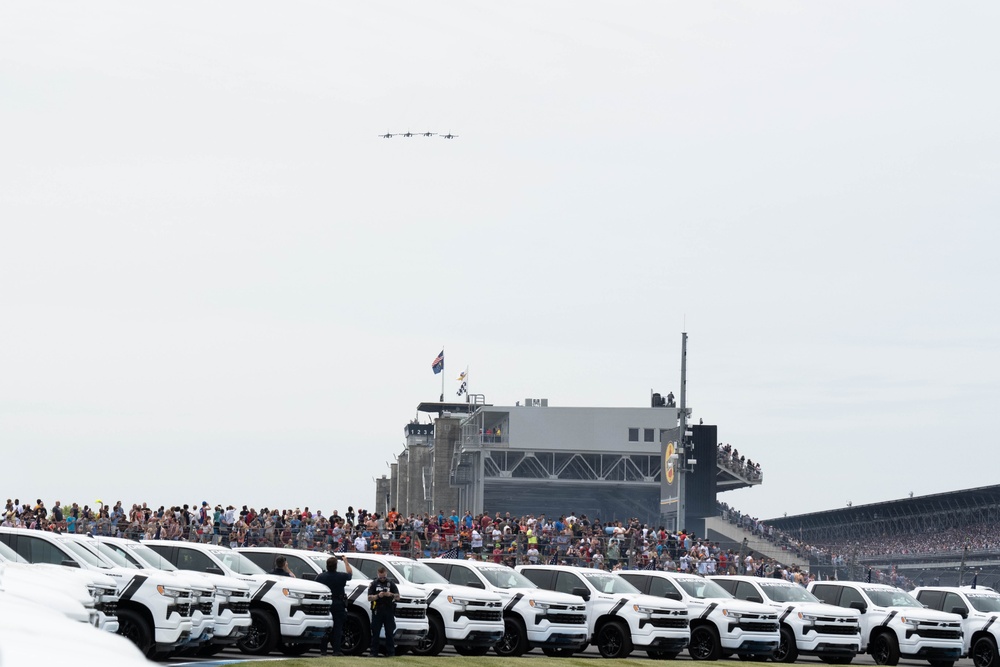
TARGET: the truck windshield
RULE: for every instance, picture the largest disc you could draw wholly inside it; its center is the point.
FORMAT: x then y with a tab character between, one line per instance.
148	556
84	554
608	583
417	573
6	553
237	562
786	592
107	553
504	577
703	588
984	602
892	597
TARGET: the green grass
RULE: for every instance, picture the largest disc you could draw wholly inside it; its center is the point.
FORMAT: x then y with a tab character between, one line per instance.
536	659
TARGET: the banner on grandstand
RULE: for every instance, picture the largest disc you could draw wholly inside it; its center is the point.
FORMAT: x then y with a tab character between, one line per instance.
669	439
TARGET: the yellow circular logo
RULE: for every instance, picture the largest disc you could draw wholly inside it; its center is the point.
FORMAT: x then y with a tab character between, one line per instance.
668	464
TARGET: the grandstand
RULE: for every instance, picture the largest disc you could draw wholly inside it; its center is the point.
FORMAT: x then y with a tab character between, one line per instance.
945	538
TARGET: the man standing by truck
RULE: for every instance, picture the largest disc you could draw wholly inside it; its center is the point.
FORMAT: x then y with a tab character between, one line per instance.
336	581
383	594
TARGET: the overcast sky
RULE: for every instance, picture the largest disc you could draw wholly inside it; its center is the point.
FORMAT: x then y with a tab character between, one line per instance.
218	283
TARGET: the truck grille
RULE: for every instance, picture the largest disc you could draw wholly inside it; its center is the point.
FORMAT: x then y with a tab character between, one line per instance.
109	608
939	634
668	622
837	629
566	619
315	609
411	612
206	608
758	627
484	615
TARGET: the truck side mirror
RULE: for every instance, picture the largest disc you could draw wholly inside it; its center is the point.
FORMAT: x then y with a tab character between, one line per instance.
755	598
582	592
860	606
673	595
213	569
961	611
477	584
310	576
69	563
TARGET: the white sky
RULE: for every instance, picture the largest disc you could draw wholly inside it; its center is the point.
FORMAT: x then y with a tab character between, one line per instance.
217	283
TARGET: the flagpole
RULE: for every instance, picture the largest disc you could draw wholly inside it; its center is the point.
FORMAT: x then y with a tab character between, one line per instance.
442	373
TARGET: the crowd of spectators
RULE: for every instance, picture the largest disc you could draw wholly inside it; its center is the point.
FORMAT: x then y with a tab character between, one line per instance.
730	458
567	539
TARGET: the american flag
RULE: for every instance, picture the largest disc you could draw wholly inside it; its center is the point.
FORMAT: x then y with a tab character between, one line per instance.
450	553
438	365
555	558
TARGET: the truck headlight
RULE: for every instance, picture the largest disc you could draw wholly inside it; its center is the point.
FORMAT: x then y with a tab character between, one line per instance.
296	595
458	601
538	604
735	615
644	610
910	621
169	592
809	618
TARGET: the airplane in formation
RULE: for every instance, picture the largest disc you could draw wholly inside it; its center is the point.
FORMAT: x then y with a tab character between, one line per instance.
390	135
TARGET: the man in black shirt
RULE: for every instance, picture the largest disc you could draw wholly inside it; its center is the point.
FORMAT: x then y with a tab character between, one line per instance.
336	581
383	593
281	567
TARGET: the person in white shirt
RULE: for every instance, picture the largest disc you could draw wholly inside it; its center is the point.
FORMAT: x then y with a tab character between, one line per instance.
360	544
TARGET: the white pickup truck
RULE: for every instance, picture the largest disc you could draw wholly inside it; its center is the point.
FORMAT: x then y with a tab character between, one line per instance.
87	588
619	617
469	619
411	609
720	624
153	610
808	626
980	612
894	624
289	614
533	617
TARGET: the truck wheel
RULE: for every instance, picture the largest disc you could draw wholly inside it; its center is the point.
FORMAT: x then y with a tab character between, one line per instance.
614	640
558	652
704	644
660	654
514	641
356	635
261	636
984	653
885	649
133	627
787	650
433	642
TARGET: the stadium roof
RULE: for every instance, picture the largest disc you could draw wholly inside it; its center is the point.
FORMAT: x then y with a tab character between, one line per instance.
967	498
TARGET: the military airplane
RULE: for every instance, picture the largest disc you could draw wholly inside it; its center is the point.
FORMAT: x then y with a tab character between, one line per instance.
407	134
387	135
449	136
427	134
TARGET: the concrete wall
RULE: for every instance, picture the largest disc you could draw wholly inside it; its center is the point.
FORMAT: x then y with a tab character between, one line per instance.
393	483
402	483
382	485
447	433
419	457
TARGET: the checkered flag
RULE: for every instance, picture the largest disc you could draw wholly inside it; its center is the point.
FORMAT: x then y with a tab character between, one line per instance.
450	553
650	566
342	548
760	570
